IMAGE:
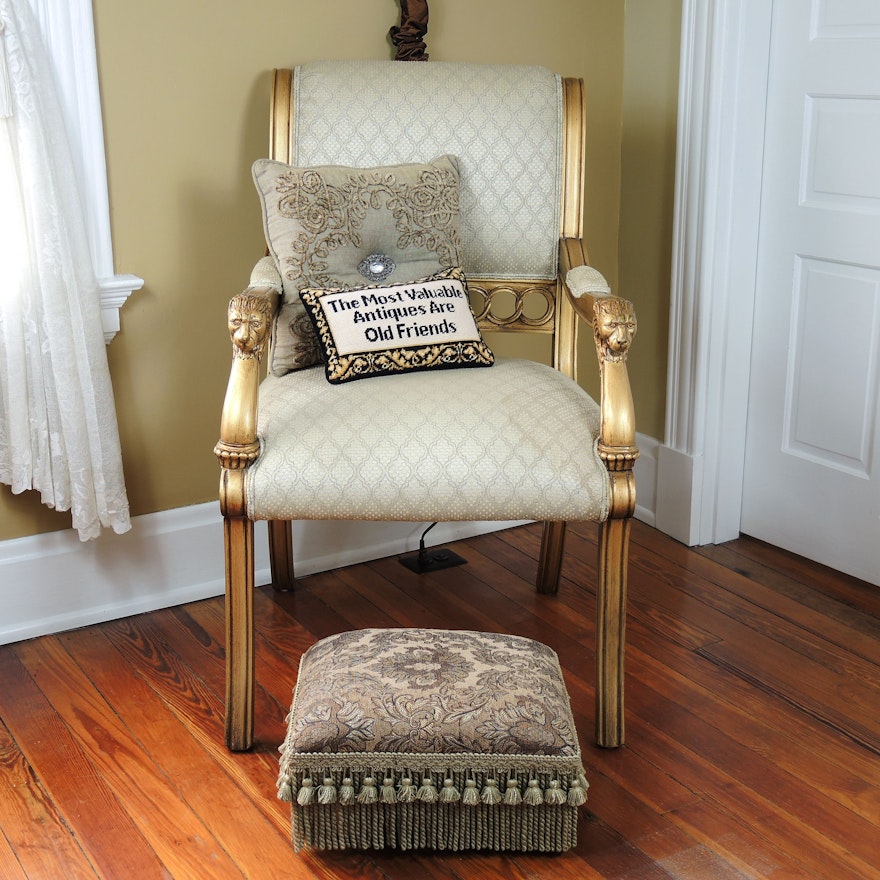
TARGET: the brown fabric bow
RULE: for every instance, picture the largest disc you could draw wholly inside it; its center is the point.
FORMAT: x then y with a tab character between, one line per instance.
408	38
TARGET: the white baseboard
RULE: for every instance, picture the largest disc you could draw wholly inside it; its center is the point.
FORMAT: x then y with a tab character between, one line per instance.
698	501
646	478
679	482
54	582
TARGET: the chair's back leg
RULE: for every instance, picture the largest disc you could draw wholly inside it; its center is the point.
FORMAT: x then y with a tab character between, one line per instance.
550	560
281	554
238	535
611	630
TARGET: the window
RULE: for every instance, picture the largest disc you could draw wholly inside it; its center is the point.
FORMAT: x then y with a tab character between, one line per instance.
68	33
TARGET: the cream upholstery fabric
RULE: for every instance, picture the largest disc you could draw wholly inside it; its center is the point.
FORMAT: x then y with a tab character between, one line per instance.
508	442
509	162
586	279
265	274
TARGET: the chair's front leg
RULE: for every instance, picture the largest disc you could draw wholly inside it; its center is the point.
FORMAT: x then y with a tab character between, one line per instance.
249	316
611	631
238	535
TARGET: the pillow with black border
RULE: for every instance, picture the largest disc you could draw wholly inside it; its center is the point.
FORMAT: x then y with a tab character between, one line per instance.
380	330
323	224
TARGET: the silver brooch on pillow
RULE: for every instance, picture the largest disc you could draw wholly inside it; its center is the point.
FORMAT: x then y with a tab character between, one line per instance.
376	267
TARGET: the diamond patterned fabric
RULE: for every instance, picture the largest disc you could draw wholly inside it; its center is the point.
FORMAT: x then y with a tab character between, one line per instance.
509	442
502	122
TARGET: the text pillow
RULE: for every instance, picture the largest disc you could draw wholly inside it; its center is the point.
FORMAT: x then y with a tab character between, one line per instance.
374	331
338	227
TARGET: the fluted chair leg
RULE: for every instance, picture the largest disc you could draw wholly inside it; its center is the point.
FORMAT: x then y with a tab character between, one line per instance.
238	535
281	554
611	631
550	560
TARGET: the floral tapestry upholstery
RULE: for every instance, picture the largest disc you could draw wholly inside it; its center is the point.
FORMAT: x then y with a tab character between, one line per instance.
431	738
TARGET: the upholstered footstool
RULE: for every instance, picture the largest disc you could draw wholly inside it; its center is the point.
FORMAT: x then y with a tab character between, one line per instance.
431	739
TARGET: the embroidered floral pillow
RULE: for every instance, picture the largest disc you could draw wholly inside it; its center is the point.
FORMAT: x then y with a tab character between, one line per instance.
337	227
374	331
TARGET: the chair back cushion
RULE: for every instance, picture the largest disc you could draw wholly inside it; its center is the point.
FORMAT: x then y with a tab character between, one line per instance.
502	122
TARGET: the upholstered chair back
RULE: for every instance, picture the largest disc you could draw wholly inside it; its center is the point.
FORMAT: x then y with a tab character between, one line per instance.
503	123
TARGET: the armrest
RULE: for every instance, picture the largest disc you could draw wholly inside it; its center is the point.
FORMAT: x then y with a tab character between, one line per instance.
249	315
614	324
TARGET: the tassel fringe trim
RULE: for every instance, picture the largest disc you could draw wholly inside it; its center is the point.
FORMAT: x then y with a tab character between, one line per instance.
470	788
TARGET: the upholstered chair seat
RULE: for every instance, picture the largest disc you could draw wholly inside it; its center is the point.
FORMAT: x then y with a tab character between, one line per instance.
449	445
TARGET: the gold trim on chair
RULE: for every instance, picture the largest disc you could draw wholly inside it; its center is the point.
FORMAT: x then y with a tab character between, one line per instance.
514	306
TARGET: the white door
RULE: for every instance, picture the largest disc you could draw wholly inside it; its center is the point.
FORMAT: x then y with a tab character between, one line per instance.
812	475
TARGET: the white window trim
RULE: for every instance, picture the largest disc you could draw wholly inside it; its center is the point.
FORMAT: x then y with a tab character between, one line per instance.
68	31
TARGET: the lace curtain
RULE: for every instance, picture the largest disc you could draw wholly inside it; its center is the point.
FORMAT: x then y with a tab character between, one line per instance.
58	430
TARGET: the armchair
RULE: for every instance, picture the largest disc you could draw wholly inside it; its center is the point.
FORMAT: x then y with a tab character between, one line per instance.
518	440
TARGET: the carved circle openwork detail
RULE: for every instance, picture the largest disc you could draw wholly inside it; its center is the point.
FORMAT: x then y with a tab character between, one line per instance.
505	305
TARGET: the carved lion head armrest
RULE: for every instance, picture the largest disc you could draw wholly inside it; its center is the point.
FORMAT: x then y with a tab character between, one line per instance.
613	320
249	316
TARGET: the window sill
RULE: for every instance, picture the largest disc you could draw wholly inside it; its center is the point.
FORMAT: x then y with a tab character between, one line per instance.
114	292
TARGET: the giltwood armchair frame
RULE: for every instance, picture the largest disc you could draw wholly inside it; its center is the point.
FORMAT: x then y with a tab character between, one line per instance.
613	324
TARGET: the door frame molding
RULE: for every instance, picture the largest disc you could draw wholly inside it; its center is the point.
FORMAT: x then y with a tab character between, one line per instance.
725	49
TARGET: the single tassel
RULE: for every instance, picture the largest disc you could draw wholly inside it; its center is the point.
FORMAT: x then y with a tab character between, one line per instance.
577	797
327	791
533	795
306	792
346	792
406	791
490	793
428	791
388	795
554	793
285	789
449	793
368	793
471	796
512	797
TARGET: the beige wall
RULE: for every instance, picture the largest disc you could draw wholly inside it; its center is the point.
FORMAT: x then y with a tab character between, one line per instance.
650	103
185	90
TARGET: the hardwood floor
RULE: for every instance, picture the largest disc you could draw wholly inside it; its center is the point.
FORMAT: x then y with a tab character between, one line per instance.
753	722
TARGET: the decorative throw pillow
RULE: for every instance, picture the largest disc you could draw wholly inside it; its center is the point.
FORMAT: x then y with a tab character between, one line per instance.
372	331
337	227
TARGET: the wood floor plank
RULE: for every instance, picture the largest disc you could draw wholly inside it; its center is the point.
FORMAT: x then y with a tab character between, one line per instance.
820	757
844	588
148	795
839	698
197	703
106	831
25	808
752	788
785	594
196	768
736	843
810	612
784	657
10	867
